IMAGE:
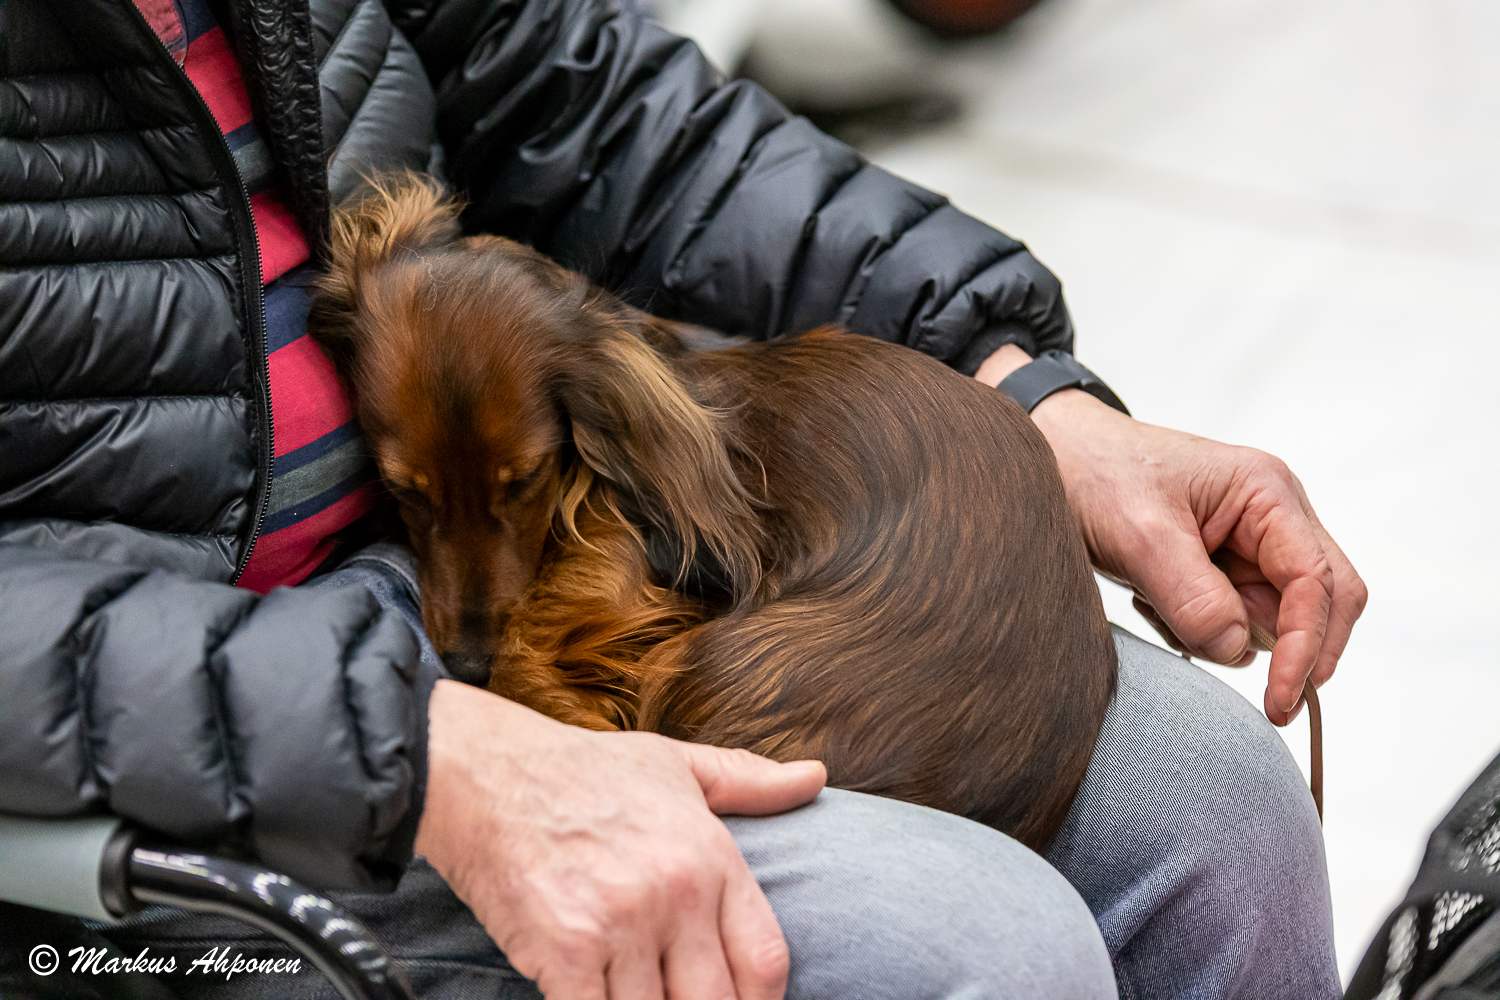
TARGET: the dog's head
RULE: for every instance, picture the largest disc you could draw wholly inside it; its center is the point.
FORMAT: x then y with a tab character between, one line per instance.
496	390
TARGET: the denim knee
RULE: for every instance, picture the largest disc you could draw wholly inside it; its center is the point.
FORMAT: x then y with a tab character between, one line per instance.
1196	842
881	899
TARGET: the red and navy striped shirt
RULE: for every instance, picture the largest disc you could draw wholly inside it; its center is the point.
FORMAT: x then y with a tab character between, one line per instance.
321	481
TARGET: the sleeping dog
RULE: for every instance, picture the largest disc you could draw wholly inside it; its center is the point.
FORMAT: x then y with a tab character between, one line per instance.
821	546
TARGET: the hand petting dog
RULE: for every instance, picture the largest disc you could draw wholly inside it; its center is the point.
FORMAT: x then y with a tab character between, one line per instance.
1208	535
596	860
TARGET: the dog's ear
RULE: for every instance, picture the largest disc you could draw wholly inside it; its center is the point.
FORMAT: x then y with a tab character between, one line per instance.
395	215
636	426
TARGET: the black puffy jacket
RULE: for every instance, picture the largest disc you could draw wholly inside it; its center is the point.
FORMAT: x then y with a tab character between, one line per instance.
134	413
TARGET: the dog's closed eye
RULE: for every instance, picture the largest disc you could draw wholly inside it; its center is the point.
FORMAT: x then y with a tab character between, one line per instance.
408	494
519	487
413	502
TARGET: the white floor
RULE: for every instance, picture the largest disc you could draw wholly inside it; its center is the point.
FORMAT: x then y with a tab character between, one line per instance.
1278	222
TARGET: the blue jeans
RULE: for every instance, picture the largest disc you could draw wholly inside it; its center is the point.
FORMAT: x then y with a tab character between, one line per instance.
1191	866
1196	844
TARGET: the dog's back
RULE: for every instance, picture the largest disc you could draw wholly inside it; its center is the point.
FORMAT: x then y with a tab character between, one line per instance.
902	590
928	625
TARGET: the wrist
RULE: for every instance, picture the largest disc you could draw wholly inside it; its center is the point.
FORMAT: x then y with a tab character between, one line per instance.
444	717
1000	364
1031	382
462	721
1086	435
1055	413
1070	409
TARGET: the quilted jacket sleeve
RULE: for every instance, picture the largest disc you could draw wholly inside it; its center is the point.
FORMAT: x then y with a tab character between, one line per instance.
614	146
285	726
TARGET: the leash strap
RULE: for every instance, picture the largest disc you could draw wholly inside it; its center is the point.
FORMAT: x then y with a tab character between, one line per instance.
1264	638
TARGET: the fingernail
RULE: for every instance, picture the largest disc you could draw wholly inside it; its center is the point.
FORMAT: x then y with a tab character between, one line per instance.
1228	645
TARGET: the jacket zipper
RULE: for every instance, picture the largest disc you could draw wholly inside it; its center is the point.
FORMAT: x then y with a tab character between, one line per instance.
254	295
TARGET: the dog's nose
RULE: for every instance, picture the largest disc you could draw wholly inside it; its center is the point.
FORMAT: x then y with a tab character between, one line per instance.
469	668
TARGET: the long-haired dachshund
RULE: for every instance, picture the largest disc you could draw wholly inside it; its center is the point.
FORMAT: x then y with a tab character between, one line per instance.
820	546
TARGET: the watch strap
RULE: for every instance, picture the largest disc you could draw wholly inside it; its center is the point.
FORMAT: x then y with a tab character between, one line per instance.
1054	371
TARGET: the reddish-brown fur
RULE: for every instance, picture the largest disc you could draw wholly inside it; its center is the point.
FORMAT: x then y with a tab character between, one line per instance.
822	546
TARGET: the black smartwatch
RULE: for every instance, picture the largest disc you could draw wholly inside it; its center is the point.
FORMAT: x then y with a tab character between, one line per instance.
1054	371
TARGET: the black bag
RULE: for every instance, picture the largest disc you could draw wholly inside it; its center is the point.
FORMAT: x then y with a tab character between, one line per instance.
1443	941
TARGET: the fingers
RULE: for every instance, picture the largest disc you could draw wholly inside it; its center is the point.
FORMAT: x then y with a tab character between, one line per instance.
738	782
757	951
570	968
1147	612
635	974
741	953
1349	597
573	968
1291	556
692	925
1152	502
728	944
1164	630
604	875
694	967
1262	601
1193	600
1345	598
1277	570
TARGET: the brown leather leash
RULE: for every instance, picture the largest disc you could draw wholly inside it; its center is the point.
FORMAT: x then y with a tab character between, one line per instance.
1315	726
1263	638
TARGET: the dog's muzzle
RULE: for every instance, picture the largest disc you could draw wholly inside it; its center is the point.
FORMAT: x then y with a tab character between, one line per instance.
469	667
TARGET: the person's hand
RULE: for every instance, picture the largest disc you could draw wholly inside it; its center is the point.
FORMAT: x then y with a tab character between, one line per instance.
595	860
1209	536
